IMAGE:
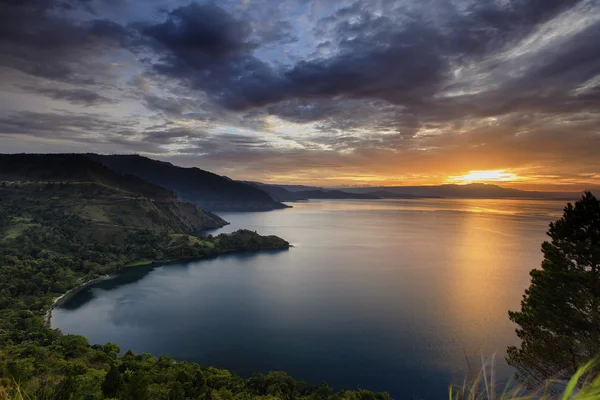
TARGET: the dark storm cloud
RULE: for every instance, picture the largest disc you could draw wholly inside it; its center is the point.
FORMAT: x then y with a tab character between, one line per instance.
405	59
200	34
35	38
408	62
208	50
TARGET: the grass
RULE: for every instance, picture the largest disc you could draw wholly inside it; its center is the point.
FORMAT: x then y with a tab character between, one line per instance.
581	386
139	263
203	243
10	390
15	230
178	238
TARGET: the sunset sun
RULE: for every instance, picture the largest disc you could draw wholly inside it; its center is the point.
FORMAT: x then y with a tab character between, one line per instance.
496	175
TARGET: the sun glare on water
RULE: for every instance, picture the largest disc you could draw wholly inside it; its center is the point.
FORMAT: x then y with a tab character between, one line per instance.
496	175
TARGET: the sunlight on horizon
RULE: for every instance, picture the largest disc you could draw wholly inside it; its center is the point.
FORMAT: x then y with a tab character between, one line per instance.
496	175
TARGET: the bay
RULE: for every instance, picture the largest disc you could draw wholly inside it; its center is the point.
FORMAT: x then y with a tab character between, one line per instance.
403	296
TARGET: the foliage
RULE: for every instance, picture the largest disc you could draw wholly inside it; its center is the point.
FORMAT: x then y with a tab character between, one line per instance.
559	321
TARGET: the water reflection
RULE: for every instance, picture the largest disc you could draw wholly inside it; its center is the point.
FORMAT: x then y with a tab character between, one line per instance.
132	275
384	295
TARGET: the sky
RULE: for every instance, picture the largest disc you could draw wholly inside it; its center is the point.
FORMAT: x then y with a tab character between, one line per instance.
319	92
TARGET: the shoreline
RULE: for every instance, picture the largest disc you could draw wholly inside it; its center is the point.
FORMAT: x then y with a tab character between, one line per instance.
60	299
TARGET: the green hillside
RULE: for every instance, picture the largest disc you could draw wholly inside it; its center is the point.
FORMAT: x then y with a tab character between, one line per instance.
74	168
106	200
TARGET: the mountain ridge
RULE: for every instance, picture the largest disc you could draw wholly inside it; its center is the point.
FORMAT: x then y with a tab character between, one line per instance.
73	184
285	192
471	190
206	189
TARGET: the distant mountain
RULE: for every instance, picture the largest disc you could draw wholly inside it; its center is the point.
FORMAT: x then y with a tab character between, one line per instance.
294	188
473	190
74	184
384	194
290	192
278	193
333	194
209	191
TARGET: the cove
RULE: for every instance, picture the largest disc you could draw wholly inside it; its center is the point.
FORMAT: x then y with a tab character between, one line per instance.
381	295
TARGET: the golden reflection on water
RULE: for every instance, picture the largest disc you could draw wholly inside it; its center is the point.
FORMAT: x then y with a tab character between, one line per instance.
483	248
479	206
488	252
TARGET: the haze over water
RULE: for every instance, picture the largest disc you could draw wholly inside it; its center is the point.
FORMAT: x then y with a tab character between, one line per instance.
386	295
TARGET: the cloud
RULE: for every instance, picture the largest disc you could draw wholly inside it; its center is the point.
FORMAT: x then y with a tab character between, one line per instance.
65	125
38	40
82	97
201	33
194	141
406	59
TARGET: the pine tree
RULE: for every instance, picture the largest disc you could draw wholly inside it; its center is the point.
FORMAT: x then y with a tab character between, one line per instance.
559	321
112	382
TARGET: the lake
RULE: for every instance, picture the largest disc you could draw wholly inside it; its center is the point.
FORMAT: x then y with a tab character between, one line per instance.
403	296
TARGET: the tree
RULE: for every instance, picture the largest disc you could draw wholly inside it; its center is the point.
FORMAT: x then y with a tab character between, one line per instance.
113	382
559	321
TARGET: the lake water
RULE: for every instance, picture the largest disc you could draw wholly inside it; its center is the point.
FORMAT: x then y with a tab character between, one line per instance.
386	295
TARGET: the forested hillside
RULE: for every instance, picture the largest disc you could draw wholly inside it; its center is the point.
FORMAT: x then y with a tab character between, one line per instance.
103	198
55	168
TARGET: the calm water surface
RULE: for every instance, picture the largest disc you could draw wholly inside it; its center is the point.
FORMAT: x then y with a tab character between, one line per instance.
386	295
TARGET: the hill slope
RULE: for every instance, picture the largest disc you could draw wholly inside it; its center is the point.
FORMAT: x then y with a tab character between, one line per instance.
74	168
209	191
76	185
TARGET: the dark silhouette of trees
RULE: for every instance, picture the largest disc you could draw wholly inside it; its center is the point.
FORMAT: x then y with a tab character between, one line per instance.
559	321
113	382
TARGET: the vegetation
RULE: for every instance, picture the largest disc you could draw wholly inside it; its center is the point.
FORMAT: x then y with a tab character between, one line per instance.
559	321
